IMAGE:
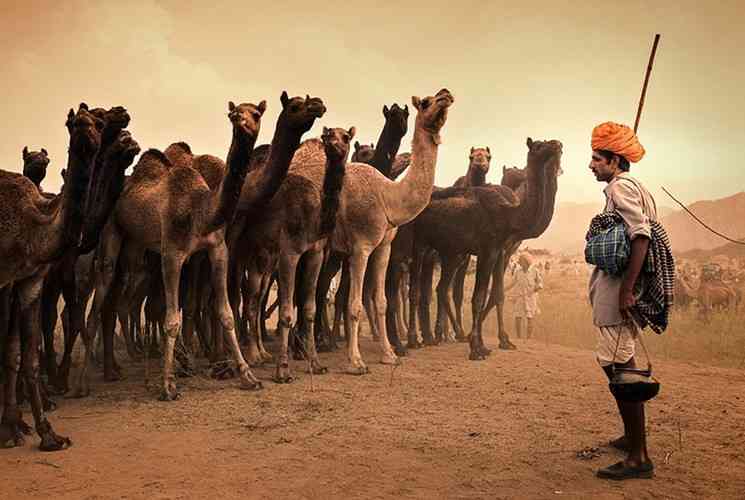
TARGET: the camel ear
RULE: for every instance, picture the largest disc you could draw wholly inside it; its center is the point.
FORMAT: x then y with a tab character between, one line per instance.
284	98
63	173
472	149
415	101
262	107
488	150
386	111
84	106
406	109
529	142
44	151
231	106
70	114
356	145
351	132
325	131
504	169
25	152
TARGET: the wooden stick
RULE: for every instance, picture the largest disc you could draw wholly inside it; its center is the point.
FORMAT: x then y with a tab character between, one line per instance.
646	81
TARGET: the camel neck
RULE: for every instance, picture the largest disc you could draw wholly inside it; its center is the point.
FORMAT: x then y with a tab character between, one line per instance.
386	150
64	230
406	199
537	206
223	203
475	177
261	184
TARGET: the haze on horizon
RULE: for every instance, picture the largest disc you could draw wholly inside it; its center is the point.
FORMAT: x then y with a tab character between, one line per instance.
550	71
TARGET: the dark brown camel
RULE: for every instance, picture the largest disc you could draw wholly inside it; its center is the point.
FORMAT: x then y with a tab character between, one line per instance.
480	221
37	231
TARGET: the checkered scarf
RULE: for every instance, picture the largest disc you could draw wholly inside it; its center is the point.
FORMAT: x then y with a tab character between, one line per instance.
654	289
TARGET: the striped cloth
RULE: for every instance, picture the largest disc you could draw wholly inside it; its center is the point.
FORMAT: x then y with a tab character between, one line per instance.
657	286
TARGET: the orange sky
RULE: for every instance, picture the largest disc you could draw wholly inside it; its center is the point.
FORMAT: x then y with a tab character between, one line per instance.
541	69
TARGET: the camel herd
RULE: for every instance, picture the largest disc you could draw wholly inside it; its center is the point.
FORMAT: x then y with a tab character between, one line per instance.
196	242
711	288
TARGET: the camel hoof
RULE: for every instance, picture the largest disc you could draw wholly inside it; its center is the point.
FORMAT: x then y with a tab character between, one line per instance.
318	370
52	442
49	405
117	376
462	338
222	371
507	345
430	342
169	394
485	350
358	370
57	387
252	386
413	344
400	350
476	356
324	348
11	435
80	392
283	375
254	361
266	357
390	360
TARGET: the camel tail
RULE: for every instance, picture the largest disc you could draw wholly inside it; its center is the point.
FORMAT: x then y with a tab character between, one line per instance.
333	181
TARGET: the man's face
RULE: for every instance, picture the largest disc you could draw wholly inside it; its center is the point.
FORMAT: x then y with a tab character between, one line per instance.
603	169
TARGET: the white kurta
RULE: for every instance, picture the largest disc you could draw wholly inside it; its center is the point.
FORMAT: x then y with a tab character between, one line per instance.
525	290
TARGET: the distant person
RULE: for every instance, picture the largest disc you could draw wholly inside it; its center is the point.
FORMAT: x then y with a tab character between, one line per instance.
612	297
527	282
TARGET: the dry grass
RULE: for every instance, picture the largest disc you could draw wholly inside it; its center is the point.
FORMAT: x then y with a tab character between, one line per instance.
566	320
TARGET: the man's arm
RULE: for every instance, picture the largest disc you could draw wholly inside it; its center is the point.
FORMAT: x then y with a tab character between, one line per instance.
639	246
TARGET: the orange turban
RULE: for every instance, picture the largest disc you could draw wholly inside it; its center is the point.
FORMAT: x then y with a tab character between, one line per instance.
618	139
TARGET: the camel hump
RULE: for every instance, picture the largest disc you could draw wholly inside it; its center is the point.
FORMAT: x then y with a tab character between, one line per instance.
310	151
179	154
151	166
496	196
211	168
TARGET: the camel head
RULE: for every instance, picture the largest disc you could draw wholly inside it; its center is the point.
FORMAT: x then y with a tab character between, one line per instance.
123	151
35	165
336	142
247	117
116	119
396	119
85	131
363	153
546	154
513	177
479	160
432	112
299	113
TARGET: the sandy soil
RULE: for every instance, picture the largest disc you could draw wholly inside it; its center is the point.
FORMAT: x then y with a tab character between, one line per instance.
439	426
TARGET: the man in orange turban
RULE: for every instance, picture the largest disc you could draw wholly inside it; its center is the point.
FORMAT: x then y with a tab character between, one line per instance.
611	296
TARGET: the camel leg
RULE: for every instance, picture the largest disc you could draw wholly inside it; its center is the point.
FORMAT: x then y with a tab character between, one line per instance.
111	246
188	313
376	269
484	266
357	266
30	300
450	265
340	304
459	286
393	314
171	263
12	427
415	272
312	267
49	300
266	282
287	269
112	372
496	299
427	273
367	301
328	271
251	291
218	256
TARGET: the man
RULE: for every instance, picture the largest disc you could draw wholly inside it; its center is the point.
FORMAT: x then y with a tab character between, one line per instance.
527	281
614	146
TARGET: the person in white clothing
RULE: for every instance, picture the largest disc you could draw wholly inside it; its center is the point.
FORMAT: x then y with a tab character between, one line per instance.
527	281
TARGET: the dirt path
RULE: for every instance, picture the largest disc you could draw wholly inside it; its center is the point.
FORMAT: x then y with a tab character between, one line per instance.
440	426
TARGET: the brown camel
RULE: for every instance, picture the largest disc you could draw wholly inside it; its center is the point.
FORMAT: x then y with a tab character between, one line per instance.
383	159
36	232
303	214
171	210
480	221
363	153
713	294
35	165
372	208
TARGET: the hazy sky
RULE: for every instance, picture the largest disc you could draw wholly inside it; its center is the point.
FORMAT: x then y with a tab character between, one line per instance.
549	70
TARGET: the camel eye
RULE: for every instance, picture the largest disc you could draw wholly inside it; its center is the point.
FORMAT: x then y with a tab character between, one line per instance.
256	115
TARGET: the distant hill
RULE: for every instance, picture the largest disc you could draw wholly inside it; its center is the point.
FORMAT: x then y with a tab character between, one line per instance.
727	215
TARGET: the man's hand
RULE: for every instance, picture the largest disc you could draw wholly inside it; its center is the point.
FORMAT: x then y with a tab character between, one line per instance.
626	301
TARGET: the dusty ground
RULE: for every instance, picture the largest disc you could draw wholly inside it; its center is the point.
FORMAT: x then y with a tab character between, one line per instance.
439	426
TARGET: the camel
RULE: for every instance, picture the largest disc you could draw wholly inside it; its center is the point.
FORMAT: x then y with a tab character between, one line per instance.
372	208
481	221
684	293
363	153
171	210
384	159
303	214
714	294
35	165
36	232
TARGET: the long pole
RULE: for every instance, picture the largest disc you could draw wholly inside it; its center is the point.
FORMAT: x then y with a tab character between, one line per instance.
646	81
